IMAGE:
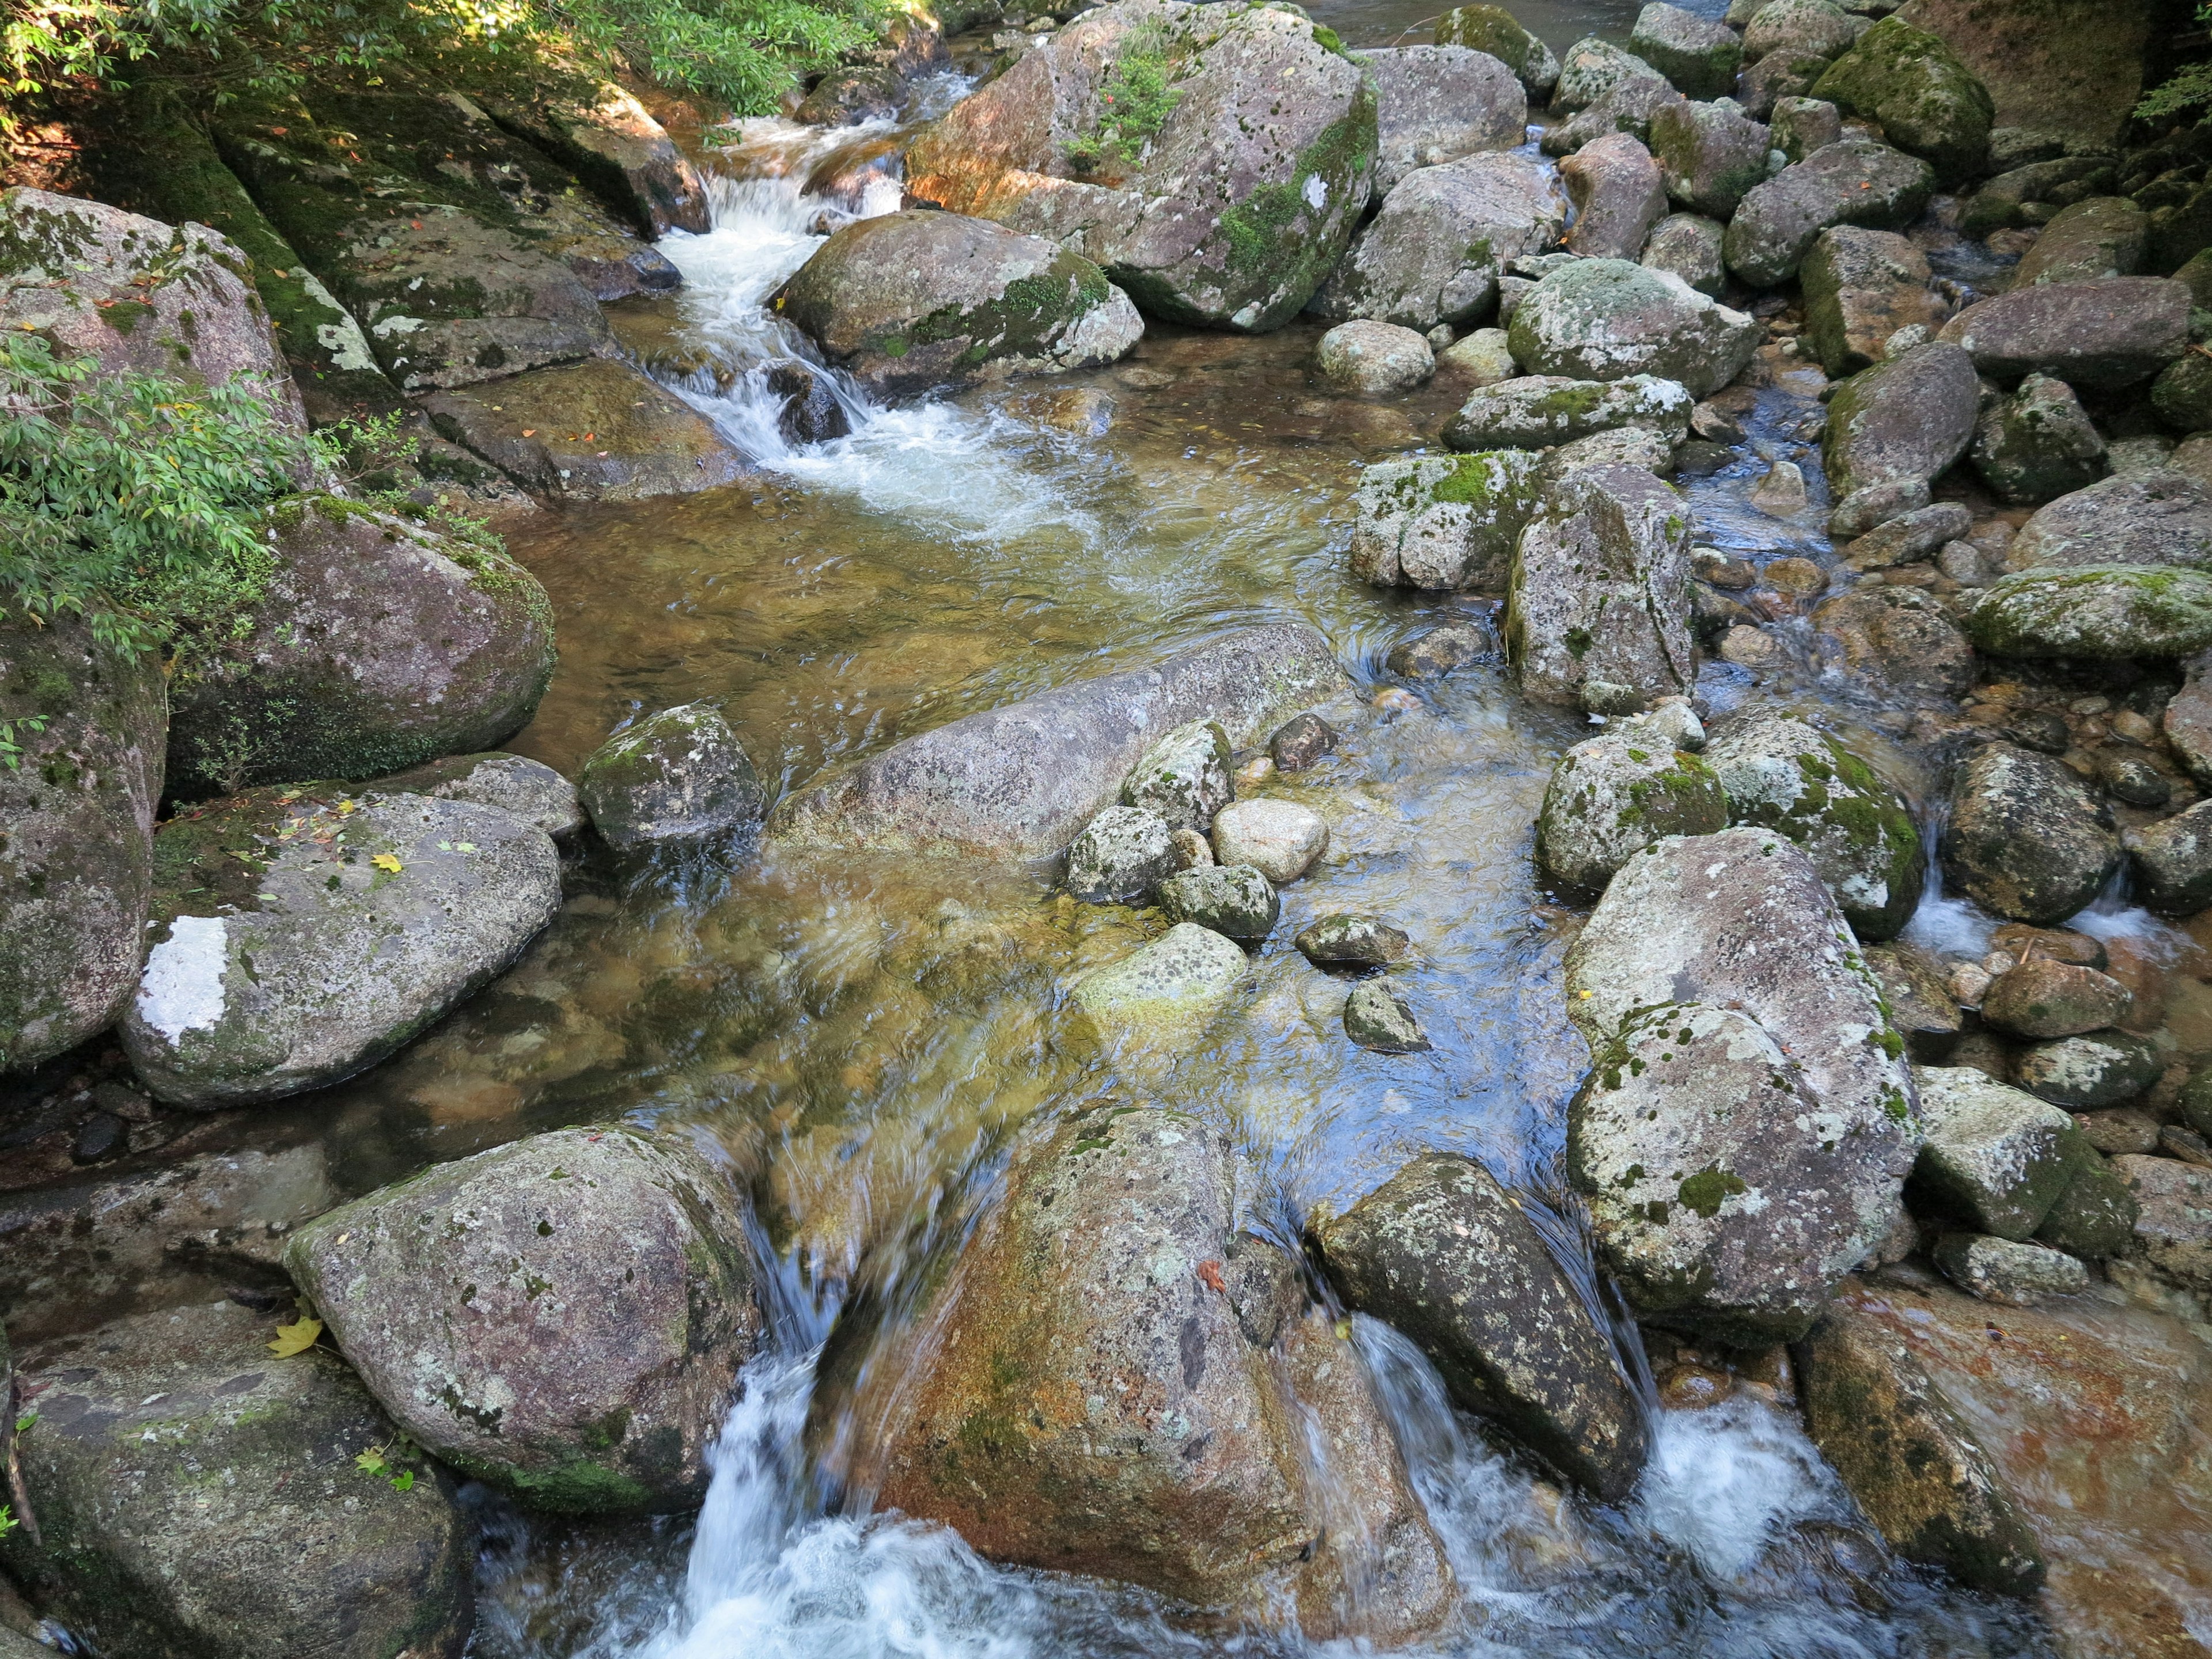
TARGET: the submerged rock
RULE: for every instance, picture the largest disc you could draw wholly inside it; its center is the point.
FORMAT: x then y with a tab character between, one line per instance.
1995	1157
680	775
1442	1254
1165	989
303	934
1861	287
1900	639
1855	182
1441	521
1436	104
1606	320
564	1316
2026	839
1928	102
1115	1253
1905	420
913	301
2103	612
76	824
1717	969
195	1495
2109	334
1022	780
1231	215
1612	795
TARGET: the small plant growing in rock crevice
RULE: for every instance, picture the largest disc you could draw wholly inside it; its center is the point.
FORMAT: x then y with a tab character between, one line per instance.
1133	103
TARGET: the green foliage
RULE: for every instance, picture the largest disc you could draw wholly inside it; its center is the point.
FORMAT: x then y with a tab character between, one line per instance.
739	52
132	500
2190	89
371	455
1134	103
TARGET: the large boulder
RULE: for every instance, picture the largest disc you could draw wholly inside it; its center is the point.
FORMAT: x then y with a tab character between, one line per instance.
2038	443
2025	838
1808	28
1710	155
1606	320
2073	68
564	1316
1697	54
616	146
1436	104
1592	67
2173	1223
1907	419
1229	215
2163	517
2115	332
301	934
1441	1253
1599	588
677	775
1627	108
1717	971
1540	411
1618	196
2173	863
1928	102
2104	612
1612	795
2103	236
1495	30
1899	640
1689	245
914	300
1855	182
2099	1068
1443	521
1110	1299
1433	252
1783	774
1022	780
138	295
379	644
1861	287
78	798
1995	1158
195	1496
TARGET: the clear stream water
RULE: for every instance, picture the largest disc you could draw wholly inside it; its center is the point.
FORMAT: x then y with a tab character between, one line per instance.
859	1034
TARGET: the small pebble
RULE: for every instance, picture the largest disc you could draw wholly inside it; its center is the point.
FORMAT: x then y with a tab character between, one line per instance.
1750	648
1794	575
1302	743
101	1135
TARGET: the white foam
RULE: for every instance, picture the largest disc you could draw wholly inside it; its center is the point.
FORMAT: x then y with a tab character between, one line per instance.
1724	1483
181	989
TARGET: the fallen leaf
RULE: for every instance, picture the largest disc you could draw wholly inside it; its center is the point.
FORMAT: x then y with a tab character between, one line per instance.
387	861
404	1481
370	1462
530	432
1209	1274
295	1339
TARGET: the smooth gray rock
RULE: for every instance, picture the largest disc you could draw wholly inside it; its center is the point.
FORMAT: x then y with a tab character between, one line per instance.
1854	182
1280	839
2037	444
1021	781
1874	505
1436	104
1441	1253
1373	358
1443	522
1803	125
1907	418
2025	838
2002	1270
1612	795
1710	156
1618	195
1909	538
1378	1015
521	788
1995	1157
1606	320
1689	247
1234	900
1627	108
1121	857
564	1316
349	927
1184	777
1815	28
680	775
2115	332
2103	236
2160	517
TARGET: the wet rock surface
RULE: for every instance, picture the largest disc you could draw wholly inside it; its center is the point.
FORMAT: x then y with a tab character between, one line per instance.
680	775
2027	840
1447	522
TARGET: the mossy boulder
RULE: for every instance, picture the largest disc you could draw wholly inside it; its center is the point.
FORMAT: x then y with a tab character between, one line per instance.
76	823
2106	334
1443	521
909	301
1608	320
1591	68
1995	1158
1710	156
197	1496
2037	444
1495	30
379	644
1782	774
2182	394
1805	28
303	933
1441	1252
1861	287
680	775
2094	1216
2025	838
1228	215
1900	640
1700	55
1117	1251
1928	103
2104	613
2070	67
1905	420
1540	411
1612	795
564	1316
2103	236
1436	104
1854	182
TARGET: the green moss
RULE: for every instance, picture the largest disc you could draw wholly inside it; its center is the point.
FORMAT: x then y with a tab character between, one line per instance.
1706	1191
1270	246
578	1487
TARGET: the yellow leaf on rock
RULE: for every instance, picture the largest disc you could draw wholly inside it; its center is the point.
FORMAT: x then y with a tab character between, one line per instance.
295	1339
387	861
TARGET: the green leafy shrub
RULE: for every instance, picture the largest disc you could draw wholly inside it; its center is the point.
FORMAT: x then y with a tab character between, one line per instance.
2190	89
1134	103
739	52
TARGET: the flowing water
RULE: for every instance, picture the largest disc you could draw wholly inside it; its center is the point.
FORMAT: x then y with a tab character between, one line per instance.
859	1034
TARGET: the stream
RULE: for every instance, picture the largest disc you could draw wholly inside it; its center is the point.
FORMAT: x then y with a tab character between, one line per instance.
860	1035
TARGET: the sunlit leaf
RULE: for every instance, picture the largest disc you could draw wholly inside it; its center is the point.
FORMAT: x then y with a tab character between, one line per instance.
295	1339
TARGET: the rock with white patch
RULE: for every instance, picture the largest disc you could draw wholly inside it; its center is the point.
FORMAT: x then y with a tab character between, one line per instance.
1606	320
1995	1158
1443	521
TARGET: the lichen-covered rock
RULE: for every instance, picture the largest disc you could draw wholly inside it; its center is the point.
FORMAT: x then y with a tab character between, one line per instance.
2039	443
2104	612
1898	639
1495	30
598	430
2002	202
1782	774
2173	1222
2045	998
379	644
563	1316
1717	971
2007	1270
301	934
1928	103
909	301
1855	182
1909	537
1995	1157
1234	900
2162	516
1278	838
1921	1002
1116	1253
76	823
1627	108
1911	1459
1364	356
1121	856
1811	28
1606	320
1709	155
2099	1068
1590	69
2026	839
616	146
1599	588
1378	1015
1618	195
1440	1252
2172	861
1165	990
524	789
1612	795
1433	251
1443	521
1861	287
2114	332
195	1496
1339	940
1907	418
1230	216
2102	236
1689	247
1697	54
1184	777
2094	1214
680	775
1540	411
1803	125
2182	394
1436	104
